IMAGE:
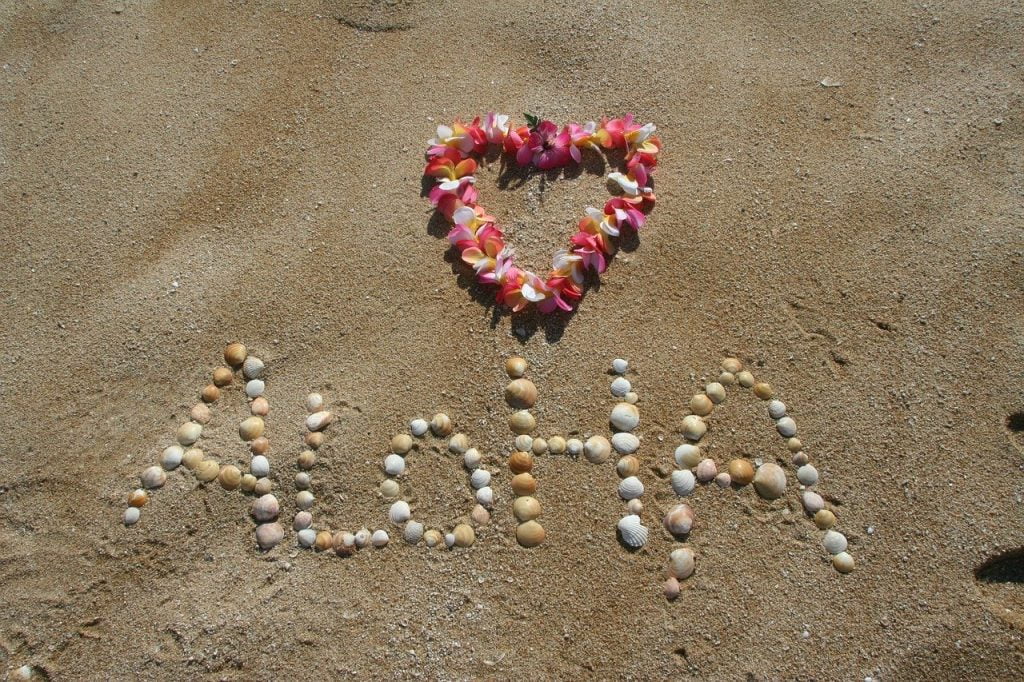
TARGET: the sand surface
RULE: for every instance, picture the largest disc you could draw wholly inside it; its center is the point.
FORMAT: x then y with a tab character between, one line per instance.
178	175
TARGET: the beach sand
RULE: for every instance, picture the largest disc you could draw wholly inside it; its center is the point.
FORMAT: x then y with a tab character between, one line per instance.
176	176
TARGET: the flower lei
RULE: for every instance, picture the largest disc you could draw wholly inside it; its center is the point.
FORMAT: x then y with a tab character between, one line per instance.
481	243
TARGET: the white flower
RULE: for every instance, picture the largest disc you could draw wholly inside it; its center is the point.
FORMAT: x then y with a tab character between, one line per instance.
631	187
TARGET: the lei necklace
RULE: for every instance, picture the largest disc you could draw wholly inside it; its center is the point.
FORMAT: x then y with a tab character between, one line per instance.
481	244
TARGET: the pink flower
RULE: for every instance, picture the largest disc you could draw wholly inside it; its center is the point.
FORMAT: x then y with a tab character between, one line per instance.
580	136
589	247
625	213
546	148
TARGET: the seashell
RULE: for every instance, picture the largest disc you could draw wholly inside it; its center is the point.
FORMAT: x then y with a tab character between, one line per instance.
319	420
530	534
265	508
812	502
252	368
741	471
597	449
630	488
304	499
807	474
153	477
625	443
480	478
131	516
786	427
683	482
458	444
441	425
522	422
413	532
260	446
706	470
763	391
574	446
324	540
727	378
516	367
362	537
170	458
399	512
824	519
744	379
207	471
843	562
732	365
620	387
834	542
234	354
138	498
389	489
776	409
635	506
679	520
254	388
394	465
694	427
715	393
433	538
625	417
556	445
379	538
303	519
303	481
269	535
770	481
200	413
306	460
251	428
521	393
723	479
627	466
263	486
464	535
314	439
222	376
688	456
418	427
188	433
632	531
794	445
524	484
540	446
520	462
681	563
524	442
485	495
306	537
620	366
526	508
471	460
671	588
343	543
701	405
314	402
192	458
799	459
449	540
632	398
401	443
260	407
248	483
480	515
259	466
229	477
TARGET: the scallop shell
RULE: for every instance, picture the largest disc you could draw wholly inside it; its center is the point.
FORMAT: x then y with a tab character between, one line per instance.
303	480
521	393
153	477
632	531
394	465
688	456
694	427
401	443
625	443
248	483
413	532
625	417
597	449
458	444
234	354
620	387
834	542
524	442
229	477
539	446
252	368
472	459
679	520
632	397
306	537
627	466
671	588
794	445
707	470
485	496
776	409
303	519
556	445
520	462
824	519
222	376
254	388
324	540
263	486
681	563
379	538
744	379
516	367
418	427
630	488
399	512
716	392
319	420
786	427
480	515
464	535
170	458
522	422
723	479
620	366
441	425
770	481
259	466
188	433
727	378
480	478
523	484
683	482
131	516
574	446
251	428
260	446
192	458
314	439
807	475
265	508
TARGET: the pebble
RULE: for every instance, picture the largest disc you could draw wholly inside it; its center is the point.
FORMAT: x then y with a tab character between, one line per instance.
812	502
620	366
524	484
522	422
314	402
441	425
306	537
741	471
303	519
222	376
625	417
153	477
304	499
394	465
556	445
138	498
251	428
621	386
210	393
628	466
265	508
834	542
694	427
824	519
786	427
418	427
520	462
770	481
319	420
306	460
631	488
229	477
254	388
389	489
464	535
516	367
776	409
723	479
269	535
688	456
472	459
188	433
234	354
200	413
744	379
671	588
597	449
170	458
843	562
706	470
260	407
252	368
131	516
716	392
530	534
413	532
701	405
540	446
524	442
401	443
732	365
526	508
807	475
521	393
259	466
625	443
681	563
683	482
574	446
480	515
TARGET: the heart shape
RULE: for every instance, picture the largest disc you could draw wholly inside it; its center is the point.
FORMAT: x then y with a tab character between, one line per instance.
481	244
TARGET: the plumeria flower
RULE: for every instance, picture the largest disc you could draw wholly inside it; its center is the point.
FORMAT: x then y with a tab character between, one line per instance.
590	248
504	271
629	185
457	136
450	168
625	213
447	201
560	288
639	135
568	263
483	254
546	148
581	136
496	127
612	132
603	221
533	288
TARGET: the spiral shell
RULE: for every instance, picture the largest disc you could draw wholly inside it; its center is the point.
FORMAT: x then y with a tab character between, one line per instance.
632	531
679	520
521	393
630	488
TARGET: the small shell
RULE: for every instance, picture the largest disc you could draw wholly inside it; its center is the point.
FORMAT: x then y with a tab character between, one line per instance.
732	365
485	495
418	427
252	368
153	477
556	445
776	409
131	516
786	427
524	442
520	462
433	538
744	379
681	563
314	402
763	391
229	477
401	443
263	486
480	478
727	378
620	387
630	488
540	446
671	588
303	480
530	534
260	446
472	459
632	397
707	470
266	508
306	460
314	439
632	531
394	465
683	482
625	443
715	393
170	458
824	519
319	420
701	405
207	471
303	519
464	535
324	540
389	489
679	520
259	466
399	512
379	538
694	427
843	562
524	484
834	542
741	471
526	508
770	481
304	499
200	413
620	366
269	535
574	446
343	544
799	458
248	483
254	388
413	532
723	479
306	537
812	502
222	376
597	449
807	475
516	367
522	422
458	444
188	433
138	498
480	515
251	428
441	425
234	354
521	393
794	445
688	456
260	407
192	458
635	506
362	537
625	417
627	466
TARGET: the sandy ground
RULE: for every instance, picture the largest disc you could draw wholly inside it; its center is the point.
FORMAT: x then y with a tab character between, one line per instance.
174	176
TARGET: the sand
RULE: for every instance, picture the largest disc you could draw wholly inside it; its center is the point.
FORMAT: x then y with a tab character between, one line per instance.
175	176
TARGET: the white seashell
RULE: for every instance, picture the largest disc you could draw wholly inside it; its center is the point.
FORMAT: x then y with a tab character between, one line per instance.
269	535
556	445
620	366
683	482
625	443
254	388
362	538
632	531
621	386
632	398
153	477
303	519
625	417
707	470
485	495
694	427
786	427
807	474
379	538
813	502
131	516
597	449
688	456
259	466
399	512
716	392
413	532
303	480
418	427
306	537
265	508
170	458
389	488
472	459
458	443
188	433
304	499
449	539
252	368
574	447
630	488
681	563
843	562
723	479
776	409
394	465
480	478
834	542
679	520
770	481
318	420
524	442
314	401
635	506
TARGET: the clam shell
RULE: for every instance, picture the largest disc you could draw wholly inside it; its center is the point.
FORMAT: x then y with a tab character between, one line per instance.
188	433
344	543
625	443
263	486
324	540
574	447
379	538
480	478
389	488
763	391
707	470
786	427
413	532
741	471
807	475
540	446
627	466
744	379
254	388
521	393
306	537
229	477
259	466
200	413
234	354
441	425
252	368
732	365
631	488
671	588
824	519
526	508
418	427
597	449
620	366
632	397
260	407
304	499
681	563
138	498
701	405
269	535
131	516
314	439
812	502
432	538
314	402
620	387
207	471
319	420
260	446
683	482
794	445
306	460
251	428
303	519
516	367
834	542
716	392
522	422
520	462
799	458
192	458
153	477
303	480
723	479
679	520
530	534
485	495
524	484
727	378
635	506
394	465
770	481
248	483
776	409
401	443
170	458
524	442
399	512
362	537
464	535
480	515
632	531
471	460
265	508
625	417
688	456
843	562
222	376
694	427
556	445
458	444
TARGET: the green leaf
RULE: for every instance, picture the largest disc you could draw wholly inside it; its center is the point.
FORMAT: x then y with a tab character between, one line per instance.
532	121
